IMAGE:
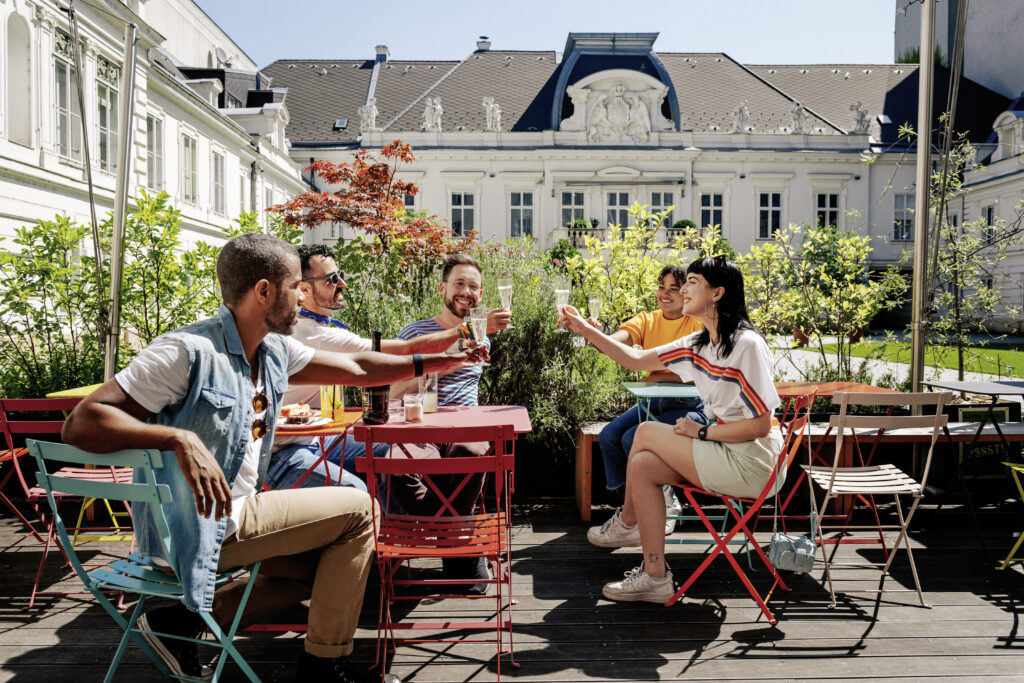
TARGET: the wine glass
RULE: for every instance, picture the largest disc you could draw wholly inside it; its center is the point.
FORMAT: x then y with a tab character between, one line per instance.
561	298
594	304
505	294
478	323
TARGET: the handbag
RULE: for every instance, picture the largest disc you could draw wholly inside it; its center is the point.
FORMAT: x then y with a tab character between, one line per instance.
790	552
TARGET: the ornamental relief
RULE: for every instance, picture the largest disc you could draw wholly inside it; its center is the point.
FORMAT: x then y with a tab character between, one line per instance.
617	111
107	71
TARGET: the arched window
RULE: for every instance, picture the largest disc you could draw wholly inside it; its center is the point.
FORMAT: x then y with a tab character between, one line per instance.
19	81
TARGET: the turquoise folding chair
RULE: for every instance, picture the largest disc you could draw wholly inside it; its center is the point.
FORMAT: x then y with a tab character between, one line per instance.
134	573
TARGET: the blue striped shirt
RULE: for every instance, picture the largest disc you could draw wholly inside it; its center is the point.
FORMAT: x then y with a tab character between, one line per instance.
458	388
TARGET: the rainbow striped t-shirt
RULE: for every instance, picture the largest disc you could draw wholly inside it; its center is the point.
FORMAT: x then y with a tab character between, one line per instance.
737	387
458	388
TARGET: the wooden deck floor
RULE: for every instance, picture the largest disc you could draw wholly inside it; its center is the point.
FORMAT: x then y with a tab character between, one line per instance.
564	630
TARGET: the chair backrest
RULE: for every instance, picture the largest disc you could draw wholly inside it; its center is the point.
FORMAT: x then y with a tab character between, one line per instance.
36	424
845	423
143	490
500	461
794	431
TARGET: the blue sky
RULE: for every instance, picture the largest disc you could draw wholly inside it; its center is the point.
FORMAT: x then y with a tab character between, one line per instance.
751	31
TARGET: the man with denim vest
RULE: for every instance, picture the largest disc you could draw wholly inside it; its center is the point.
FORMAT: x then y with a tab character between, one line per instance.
208	394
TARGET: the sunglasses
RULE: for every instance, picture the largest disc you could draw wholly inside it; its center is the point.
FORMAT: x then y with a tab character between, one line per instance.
333	278
260	403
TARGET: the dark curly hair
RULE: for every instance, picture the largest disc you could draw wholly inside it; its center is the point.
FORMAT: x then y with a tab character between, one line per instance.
732	307
308	251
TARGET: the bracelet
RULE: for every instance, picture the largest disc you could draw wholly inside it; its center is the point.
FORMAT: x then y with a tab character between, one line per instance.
417	365
465	331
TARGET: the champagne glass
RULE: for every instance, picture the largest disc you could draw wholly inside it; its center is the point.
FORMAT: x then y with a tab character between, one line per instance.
478	323
594	304
505	294
561	298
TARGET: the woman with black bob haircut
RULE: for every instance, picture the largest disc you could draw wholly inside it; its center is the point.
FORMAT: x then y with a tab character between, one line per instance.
731	366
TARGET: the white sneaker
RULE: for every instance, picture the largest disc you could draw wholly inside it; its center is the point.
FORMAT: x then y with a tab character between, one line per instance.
639	585
614	533
673	508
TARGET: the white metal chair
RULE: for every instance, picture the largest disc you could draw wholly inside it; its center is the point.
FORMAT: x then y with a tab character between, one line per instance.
867	481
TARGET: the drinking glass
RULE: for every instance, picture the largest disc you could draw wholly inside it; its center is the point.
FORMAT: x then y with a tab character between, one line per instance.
594	303
505	294
413	407
561	298
395	409
478	322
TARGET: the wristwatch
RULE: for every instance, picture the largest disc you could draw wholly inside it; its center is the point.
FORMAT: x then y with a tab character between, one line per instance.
702	433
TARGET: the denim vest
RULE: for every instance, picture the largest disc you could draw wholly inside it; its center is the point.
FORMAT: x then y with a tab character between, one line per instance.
217	407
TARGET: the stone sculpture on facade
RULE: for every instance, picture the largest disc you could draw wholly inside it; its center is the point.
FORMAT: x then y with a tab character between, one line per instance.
619	116
368	116
492	114
432	115
861	122
741	119
799	114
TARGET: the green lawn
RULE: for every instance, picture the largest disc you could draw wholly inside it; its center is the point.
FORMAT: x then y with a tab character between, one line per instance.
996	359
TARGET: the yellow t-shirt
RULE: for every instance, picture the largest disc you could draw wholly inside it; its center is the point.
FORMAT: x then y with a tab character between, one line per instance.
651	329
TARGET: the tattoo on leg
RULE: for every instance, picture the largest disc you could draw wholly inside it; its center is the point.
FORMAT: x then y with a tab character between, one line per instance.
652	557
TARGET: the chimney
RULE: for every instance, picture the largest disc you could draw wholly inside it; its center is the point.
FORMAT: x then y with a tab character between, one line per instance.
383	53
483	44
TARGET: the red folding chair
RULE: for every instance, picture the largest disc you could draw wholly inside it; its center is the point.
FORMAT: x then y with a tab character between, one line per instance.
446	534
36	496
794	433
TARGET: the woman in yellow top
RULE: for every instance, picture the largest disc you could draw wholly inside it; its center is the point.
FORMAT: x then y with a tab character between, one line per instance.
649	330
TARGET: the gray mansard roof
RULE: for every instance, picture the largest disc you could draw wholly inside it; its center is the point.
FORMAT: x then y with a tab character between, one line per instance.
529	87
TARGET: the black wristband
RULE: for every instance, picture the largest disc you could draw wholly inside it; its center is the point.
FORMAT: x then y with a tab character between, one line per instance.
702	433
417	365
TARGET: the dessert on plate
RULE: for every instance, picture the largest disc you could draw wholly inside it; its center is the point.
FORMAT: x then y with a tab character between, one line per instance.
296	413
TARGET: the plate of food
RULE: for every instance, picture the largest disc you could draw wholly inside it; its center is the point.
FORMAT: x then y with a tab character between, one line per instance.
299	416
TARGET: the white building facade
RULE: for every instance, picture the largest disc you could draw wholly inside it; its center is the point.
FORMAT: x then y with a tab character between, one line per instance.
214	160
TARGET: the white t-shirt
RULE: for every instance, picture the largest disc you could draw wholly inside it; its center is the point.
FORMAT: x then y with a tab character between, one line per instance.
737	387
158	377
318	337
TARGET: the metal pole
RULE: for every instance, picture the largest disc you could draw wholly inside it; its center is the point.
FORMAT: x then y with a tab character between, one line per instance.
922	186
97	250
126	114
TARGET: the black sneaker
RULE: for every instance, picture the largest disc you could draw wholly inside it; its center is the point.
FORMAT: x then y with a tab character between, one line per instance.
338	669
469	568
181	657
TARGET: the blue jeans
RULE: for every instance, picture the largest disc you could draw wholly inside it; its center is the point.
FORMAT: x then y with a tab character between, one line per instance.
291	462
617	436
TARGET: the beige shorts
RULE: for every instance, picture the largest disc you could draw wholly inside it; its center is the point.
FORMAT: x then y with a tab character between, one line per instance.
738	469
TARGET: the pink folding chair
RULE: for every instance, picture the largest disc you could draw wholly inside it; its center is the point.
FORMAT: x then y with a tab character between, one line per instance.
399	539
36	496
745	513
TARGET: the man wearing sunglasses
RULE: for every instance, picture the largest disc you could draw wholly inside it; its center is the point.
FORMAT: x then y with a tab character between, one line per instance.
208	396
323	287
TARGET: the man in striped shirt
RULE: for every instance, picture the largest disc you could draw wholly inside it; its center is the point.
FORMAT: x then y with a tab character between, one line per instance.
461	288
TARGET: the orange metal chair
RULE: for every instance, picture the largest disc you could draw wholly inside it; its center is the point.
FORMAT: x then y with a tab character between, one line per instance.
745	513
446	534
36	496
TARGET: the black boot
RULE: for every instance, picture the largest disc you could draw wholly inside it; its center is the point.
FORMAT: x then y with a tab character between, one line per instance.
181	657
337	669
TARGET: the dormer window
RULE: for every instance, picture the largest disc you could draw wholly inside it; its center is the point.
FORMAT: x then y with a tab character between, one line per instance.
341	124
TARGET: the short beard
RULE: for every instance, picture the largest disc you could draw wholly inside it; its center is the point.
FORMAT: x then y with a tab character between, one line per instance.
451	306
281	319
330	304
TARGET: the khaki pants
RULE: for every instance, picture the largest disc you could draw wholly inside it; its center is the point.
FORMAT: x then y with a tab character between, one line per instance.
315	544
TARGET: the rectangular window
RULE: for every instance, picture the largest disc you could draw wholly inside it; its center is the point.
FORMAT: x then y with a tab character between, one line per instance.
189	184
68	135
988	217
219	197
572	207
463	209
828	209
711	210
154	153
243	194
769	214
268	201
903	218
521	214
618	209
661	201
106	123
410	202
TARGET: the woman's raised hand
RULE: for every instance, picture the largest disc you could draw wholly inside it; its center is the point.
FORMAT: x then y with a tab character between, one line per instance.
571	318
